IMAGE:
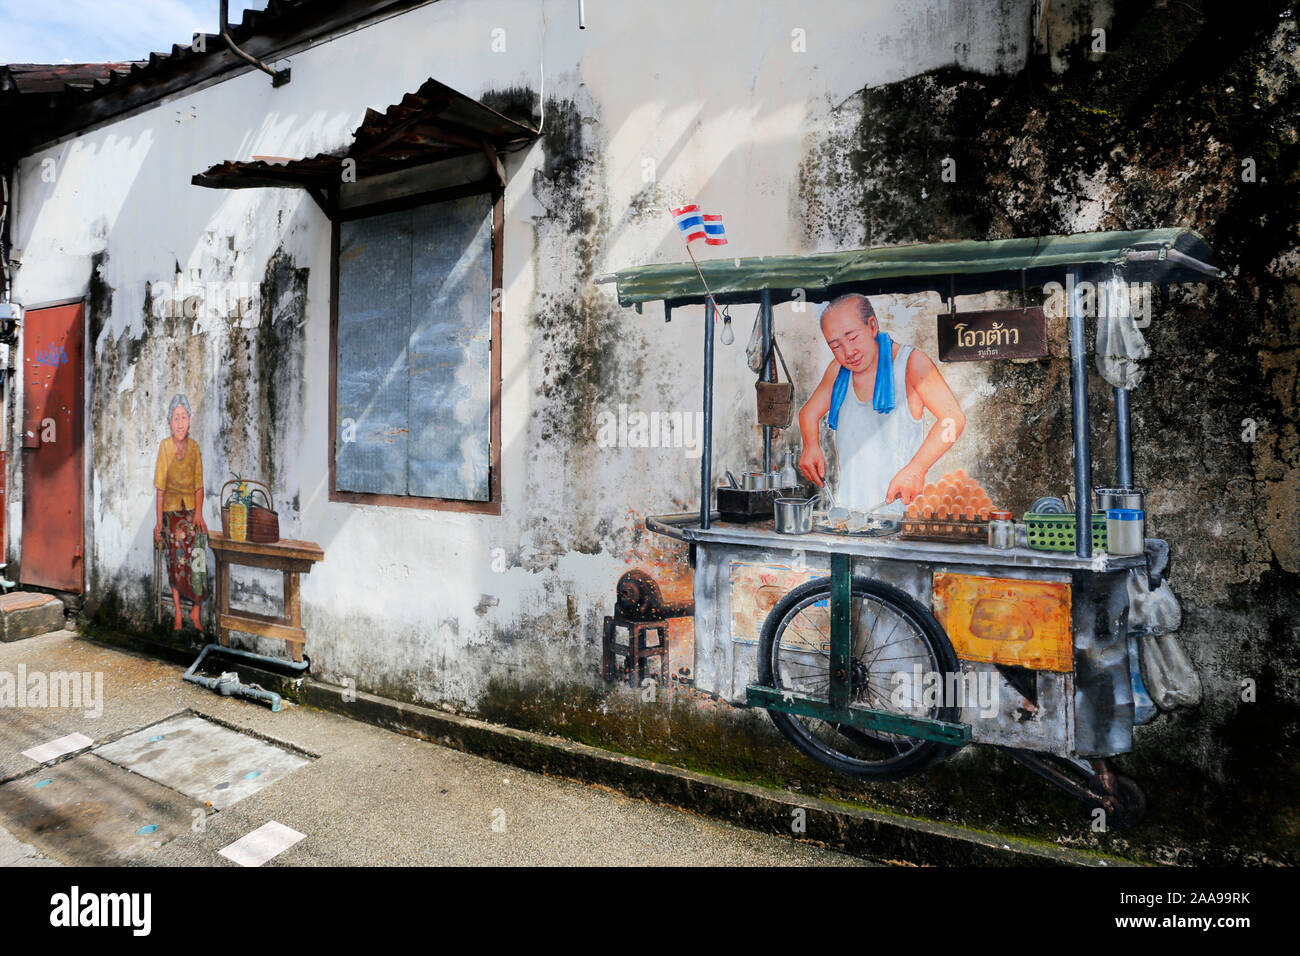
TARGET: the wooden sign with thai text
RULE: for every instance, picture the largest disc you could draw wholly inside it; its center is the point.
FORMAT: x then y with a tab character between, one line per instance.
992	334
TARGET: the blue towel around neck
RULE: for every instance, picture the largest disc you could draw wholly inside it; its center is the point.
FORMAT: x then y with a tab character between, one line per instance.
882	398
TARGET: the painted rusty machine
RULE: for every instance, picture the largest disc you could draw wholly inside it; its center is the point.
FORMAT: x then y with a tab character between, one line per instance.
875	654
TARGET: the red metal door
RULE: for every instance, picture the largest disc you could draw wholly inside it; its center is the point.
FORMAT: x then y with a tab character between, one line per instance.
53	435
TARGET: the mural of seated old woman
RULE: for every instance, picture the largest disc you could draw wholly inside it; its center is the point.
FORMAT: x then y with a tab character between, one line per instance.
178	478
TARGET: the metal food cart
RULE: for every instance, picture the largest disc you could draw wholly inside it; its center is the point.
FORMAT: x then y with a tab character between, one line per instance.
842	610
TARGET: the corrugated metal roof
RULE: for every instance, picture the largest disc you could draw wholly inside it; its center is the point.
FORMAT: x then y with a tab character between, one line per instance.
92	79
45	101
963	267
435	122
29	78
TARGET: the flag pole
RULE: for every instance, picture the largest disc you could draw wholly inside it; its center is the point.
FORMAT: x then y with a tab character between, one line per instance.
691	253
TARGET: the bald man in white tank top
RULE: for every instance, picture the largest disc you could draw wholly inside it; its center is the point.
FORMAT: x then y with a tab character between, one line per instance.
884	452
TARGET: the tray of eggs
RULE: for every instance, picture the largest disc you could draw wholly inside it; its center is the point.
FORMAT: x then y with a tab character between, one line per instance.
954	508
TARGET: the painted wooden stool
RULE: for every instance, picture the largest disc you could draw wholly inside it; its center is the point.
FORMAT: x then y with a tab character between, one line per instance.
639	608
636	651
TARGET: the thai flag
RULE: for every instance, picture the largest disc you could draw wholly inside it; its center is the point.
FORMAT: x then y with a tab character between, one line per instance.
695	225
714	234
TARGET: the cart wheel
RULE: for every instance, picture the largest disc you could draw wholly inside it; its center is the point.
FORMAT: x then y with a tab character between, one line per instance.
892	634
1131	807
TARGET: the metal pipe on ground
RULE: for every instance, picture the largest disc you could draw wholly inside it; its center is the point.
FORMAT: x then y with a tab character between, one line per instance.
229	684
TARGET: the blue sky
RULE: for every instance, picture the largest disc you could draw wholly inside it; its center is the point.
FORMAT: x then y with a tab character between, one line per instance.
94	31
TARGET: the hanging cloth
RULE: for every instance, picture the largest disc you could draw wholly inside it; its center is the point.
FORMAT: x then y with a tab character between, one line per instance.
1121	348
882	397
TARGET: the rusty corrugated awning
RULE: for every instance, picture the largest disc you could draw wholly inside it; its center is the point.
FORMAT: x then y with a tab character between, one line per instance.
27	79
433	123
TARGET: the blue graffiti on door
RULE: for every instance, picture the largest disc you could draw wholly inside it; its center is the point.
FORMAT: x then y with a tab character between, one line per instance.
52	355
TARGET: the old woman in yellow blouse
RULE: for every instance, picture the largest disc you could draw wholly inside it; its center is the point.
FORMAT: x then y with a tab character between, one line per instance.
178	477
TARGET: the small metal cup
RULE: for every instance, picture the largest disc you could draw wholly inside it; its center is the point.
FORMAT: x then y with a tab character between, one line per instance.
792	515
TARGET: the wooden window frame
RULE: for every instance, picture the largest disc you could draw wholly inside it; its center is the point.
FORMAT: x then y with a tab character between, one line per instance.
493	505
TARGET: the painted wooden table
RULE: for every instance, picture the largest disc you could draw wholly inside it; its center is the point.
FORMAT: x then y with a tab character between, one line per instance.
289	557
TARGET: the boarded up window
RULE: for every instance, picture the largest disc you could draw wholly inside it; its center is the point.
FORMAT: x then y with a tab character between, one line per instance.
414	352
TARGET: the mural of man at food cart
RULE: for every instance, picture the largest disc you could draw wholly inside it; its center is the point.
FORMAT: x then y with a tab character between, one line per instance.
874	395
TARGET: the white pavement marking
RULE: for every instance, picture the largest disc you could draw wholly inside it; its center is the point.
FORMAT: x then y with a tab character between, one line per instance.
263	843
57	748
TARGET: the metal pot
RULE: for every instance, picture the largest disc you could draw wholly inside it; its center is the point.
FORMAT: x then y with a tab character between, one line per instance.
1108	498
793	515
760	480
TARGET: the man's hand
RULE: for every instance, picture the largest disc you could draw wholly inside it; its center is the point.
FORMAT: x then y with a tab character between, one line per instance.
200	525
907	484
157	533
813	464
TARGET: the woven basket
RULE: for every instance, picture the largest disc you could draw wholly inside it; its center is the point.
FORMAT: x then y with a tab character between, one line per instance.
262	524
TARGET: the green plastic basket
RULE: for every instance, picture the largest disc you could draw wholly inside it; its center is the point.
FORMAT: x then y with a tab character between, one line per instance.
1056	532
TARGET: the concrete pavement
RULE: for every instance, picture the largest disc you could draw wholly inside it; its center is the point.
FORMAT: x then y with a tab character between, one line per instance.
366	796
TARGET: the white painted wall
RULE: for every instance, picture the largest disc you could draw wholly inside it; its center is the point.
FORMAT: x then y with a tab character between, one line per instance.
714	93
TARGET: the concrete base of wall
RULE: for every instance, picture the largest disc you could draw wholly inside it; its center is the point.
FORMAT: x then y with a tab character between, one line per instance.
25	614
881	837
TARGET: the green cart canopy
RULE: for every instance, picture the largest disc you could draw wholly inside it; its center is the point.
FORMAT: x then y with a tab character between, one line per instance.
961	267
